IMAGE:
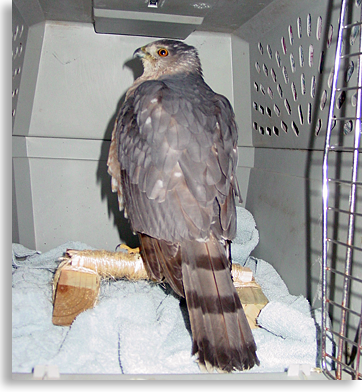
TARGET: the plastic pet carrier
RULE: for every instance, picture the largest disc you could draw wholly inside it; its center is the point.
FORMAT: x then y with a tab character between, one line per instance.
292	72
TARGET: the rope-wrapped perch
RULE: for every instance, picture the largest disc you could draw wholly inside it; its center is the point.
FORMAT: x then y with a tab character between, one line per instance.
112	265
76	282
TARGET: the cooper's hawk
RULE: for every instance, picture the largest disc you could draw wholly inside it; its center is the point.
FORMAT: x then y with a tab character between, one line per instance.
173	160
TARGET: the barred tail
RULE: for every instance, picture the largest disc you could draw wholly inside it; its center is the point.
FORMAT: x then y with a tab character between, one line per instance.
222	337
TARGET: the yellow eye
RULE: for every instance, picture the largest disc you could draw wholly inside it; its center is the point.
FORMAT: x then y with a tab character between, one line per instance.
163	52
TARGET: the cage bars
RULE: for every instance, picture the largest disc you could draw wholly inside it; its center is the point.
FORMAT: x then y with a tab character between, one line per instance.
340	337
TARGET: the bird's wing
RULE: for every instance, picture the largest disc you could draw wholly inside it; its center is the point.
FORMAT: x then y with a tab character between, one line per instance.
177	154
114	168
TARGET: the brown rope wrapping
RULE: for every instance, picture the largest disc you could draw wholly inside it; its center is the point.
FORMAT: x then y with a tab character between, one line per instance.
105	264
123	265
113	265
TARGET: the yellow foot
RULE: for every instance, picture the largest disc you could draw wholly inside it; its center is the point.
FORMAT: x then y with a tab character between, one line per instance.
131	251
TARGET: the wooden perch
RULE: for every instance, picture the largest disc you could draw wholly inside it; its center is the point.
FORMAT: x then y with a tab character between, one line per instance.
75	291
76	282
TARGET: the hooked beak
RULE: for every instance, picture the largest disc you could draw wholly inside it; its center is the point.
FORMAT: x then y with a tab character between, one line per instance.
140	52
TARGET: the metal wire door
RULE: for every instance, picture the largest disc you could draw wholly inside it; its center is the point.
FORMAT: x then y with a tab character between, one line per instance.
342	210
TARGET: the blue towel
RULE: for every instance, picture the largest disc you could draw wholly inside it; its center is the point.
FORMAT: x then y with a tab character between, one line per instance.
139	327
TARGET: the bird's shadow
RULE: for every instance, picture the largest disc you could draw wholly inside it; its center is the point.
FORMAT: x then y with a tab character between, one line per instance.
103	178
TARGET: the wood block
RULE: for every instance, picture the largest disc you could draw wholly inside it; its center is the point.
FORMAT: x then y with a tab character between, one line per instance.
75	291
241	274
253	300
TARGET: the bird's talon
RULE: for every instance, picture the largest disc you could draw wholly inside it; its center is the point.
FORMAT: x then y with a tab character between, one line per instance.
130	251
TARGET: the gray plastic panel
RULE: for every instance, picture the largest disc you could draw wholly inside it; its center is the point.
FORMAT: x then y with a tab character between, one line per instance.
83	77
20	33
169	19
291	59
285	189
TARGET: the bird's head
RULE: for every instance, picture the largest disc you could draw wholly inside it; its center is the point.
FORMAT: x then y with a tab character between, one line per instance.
168	57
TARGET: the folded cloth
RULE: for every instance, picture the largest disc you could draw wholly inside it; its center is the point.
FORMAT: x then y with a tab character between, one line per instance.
247	236
34	337
287	333
21	252
141	327
276	318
